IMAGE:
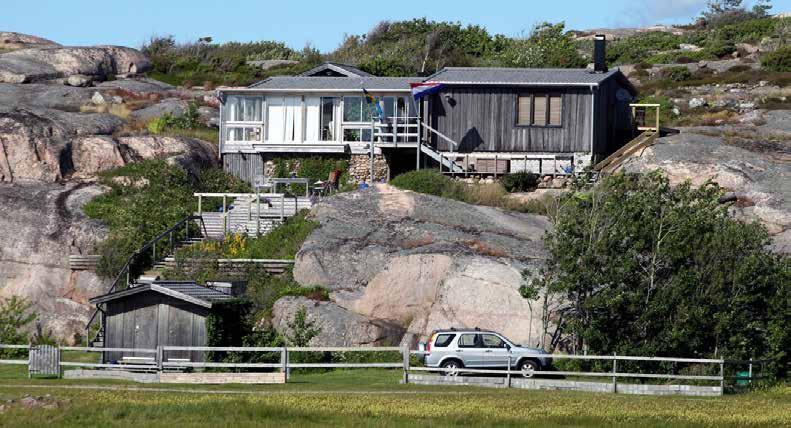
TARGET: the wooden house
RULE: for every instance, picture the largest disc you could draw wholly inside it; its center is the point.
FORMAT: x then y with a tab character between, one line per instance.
162	313
481	120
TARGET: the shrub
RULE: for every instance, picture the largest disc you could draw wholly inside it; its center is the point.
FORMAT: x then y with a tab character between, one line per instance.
15	316
740	68
520	182
644	292
779	60
677	74
429	181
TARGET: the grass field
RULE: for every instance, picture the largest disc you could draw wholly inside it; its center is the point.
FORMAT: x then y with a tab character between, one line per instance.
366	398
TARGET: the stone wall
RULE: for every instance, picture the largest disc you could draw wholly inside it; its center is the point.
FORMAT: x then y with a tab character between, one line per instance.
360	168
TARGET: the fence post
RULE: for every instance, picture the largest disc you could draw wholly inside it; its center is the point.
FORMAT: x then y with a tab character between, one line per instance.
405	355
160	355
508	371
750	371
284	362
722	377
614	371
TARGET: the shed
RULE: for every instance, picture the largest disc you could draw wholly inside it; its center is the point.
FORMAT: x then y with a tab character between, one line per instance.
162	313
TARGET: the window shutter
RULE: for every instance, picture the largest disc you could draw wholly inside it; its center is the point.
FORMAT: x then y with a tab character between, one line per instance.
555	110
523	111
540	110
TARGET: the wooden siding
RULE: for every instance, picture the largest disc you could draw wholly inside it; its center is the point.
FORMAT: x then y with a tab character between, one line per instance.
148	320
614	119
483	119
245	166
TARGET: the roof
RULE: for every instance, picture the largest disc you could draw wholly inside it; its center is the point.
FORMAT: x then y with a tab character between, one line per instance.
345	69
187	291
336	83
525	76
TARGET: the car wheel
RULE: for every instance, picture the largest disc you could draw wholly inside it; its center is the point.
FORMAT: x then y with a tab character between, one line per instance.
453	368
528	368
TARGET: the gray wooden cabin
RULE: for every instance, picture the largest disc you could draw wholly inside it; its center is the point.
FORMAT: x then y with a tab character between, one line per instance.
530	111
163	313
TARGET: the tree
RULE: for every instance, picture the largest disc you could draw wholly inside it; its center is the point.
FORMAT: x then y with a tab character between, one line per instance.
649	269
301	330
15	315
547	46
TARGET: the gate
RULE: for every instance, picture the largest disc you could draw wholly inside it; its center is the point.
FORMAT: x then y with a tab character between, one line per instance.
44	360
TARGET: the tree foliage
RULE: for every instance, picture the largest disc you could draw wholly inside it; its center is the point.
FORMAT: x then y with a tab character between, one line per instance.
650	269
15	316
549	45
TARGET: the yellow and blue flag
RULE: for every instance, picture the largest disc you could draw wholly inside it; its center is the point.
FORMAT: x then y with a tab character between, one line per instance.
372	100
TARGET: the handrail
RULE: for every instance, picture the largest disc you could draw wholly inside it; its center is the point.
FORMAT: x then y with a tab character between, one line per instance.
149	244
443	136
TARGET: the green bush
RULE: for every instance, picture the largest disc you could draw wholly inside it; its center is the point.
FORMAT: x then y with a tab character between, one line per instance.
677	74
15	317
676	274
779	60
520	182
639	48
429	181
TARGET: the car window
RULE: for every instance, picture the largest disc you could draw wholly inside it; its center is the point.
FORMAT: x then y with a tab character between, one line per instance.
443	340
467	341
492	341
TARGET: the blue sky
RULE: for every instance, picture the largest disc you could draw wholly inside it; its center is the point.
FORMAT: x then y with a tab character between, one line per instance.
321	23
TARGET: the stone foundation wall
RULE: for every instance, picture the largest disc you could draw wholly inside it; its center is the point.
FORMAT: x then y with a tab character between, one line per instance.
360	168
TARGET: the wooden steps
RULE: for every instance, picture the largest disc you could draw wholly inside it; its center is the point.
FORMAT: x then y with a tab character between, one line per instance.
612	162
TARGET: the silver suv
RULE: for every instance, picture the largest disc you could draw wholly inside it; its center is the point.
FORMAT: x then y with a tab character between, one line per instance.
480	349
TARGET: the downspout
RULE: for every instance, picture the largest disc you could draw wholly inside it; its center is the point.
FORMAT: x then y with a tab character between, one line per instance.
593	118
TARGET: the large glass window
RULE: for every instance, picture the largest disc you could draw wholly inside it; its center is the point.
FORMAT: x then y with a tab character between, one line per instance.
357	109
492	341
468	341
239	108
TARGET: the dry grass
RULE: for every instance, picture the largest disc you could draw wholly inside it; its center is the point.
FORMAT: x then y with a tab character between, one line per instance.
711	118
485	249
417	242
121	110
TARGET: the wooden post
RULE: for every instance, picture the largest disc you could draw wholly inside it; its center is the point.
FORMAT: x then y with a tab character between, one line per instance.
722	377
750	371
284	362
495	167
154	258
258	213
200	200
405	355
657	119
372	151
614	371
282	207
160	355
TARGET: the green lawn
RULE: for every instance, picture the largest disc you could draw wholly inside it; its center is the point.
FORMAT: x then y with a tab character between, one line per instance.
369	397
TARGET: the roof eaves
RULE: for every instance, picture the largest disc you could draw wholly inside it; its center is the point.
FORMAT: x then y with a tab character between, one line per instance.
150	287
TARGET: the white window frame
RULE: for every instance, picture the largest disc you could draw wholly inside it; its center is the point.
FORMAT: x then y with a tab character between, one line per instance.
258	125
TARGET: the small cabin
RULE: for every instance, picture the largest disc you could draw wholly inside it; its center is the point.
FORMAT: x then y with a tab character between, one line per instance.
162	313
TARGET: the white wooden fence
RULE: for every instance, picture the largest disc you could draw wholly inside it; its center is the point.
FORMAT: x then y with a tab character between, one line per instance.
157	360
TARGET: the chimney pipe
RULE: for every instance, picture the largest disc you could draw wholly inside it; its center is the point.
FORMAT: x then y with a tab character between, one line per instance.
599	47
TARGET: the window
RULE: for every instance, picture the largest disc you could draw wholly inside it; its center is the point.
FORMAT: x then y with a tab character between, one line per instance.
468	341
539	110
357	109
239	108
327	125
243	133
492	341
357	134
443	340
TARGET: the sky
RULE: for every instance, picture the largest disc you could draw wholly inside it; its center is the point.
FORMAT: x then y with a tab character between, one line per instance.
320	23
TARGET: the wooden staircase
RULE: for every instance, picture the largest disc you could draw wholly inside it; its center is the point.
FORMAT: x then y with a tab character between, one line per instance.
612	162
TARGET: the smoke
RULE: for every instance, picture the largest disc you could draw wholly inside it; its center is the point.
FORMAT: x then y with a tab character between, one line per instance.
646	12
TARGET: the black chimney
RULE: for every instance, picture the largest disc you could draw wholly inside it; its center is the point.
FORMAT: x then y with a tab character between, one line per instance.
599	46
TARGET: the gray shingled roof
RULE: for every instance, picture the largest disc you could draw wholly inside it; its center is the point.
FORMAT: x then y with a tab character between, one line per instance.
347	69
336	83
187	291
519	76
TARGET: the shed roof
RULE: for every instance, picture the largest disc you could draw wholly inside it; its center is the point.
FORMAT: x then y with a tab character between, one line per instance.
525	76
187	291
371	83
345	69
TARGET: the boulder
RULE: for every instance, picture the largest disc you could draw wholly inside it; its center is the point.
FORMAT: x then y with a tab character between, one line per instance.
424	262
696	102
41	224
93	154
37	64
337	326
172	106
740	158
191	153
79	80
10	41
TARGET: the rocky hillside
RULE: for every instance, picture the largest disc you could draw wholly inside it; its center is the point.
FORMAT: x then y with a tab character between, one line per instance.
400	264
66	114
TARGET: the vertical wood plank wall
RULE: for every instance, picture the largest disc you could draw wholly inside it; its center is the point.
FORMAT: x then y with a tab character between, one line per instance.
149	320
